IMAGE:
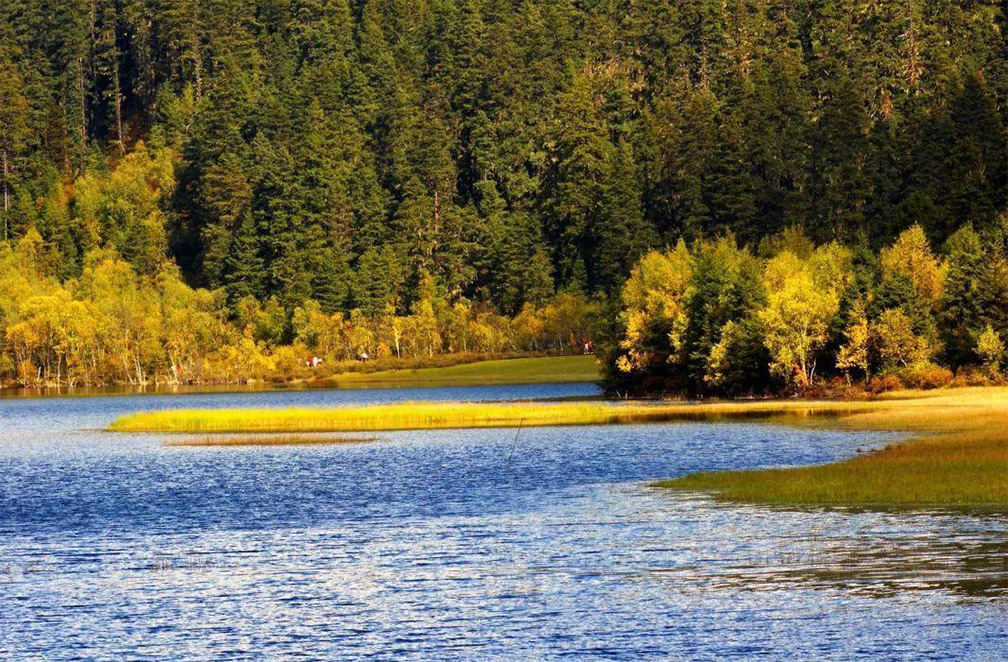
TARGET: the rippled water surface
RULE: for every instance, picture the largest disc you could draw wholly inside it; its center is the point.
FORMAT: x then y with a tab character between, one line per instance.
431	546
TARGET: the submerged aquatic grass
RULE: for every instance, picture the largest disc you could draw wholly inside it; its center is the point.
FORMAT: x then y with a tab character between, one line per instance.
268	440
434	415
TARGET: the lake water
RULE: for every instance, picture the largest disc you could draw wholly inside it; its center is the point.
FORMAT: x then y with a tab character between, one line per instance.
432	546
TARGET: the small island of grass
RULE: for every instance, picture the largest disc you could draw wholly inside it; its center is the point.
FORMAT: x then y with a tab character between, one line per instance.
446	415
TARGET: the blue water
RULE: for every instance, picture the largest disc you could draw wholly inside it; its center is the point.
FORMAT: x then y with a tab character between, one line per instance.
432	546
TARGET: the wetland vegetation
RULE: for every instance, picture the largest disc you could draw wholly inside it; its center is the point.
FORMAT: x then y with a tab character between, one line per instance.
448	415
957	454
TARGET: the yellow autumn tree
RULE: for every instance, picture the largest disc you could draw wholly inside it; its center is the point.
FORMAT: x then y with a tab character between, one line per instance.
897	343
910	258
654	313
802	301
991	349
855	353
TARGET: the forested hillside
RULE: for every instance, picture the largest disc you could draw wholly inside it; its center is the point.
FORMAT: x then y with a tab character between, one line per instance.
367	156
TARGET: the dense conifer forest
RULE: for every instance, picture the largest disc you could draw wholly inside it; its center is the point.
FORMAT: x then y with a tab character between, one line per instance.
190	181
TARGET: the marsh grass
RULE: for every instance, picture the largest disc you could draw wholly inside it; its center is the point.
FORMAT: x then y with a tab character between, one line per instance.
268	440
431	416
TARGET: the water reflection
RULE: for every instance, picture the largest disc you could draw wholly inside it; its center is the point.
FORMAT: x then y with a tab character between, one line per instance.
864	553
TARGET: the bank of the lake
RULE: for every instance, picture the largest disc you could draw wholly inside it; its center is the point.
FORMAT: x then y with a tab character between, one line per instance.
531	370
958	458
462	370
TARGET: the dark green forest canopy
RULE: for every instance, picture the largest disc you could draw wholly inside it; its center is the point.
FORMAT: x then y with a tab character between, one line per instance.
341	150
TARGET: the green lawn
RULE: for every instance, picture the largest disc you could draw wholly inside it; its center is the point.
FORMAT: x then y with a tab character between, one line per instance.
552	369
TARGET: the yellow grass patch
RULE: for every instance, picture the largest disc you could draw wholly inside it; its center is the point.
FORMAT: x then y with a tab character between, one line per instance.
433	415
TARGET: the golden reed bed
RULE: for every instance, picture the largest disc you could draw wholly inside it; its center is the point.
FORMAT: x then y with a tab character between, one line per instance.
428	416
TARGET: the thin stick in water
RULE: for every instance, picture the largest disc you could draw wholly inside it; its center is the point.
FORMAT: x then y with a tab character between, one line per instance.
507	465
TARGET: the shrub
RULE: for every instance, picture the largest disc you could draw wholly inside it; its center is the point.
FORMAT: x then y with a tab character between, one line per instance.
289	362
926	375
885	383
971	376
990	349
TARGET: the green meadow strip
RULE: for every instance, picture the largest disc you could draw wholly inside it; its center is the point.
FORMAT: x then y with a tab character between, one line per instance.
957	459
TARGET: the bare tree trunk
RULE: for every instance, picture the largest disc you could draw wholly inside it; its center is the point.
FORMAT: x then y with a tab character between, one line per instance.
83	100
197	56
118	101
199	79
6	194
704	75
913	56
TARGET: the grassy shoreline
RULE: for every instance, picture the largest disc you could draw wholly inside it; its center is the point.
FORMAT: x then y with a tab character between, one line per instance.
497	372
957	457
470	370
